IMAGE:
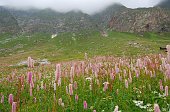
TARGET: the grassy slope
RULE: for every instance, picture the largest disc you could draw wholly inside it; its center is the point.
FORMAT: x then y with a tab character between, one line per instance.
69	47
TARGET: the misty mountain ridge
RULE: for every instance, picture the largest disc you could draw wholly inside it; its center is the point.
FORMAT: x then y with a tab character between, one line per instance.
164	4
115	17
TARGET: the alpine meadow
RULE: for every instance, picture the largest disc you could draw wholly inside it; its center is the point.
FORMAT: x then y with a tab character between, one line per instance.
84	59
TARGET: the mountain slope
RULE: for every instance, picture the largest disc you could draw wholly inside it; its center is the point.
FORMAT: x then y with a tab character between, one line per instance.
141	20
50	21
7	22
102	18
115	17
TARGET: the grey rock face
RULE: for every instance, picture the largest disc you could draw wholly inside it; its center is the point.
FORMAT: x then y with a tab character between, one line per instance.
141	20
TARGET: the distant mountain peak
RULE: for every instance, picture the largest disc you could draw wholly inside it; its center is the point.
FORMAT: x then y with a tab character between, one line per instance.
164	4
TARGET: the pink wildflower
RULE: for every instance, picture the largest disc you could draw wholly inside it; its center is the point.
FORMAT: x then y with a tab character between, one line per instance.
166	90
10	98
72	74
71	89
168	53
30	90
161	86
156	108
85	105
75	85
116	69
59	82
2	99
126	83
58	72
112	76
29	62
67	92
137	73
14	106
29	77
105	86
76	97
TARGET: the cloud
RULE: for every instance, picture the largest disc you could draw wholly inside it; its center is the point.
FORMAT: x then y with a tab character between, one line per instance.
164	3
87	6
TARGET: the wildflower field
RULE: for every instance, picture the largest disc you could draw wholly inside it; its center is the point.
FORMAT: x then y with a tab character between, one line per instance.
92	84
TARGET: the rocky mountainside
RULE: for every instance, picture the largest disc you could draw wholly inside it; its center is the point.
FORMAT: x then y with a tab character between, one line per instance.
102	18
8	23
141	20
115	17
50	21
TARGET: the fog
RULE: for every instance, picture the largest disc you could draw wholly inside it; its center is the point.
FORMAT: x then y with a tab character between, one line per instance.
87	6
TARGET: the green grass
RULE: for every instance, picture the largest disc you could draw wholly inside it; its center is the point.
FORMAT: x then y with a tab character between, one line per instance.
68	47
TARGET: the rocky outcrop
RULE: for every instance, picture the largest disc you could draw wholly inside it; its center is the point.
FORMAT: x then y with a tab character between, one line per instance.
141	20
102	18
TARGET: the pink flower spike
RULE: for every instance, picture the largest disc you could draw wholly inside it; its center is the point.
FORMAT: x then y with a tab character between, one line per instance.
58	72
2	99
29	77
94	110
29	62
126	83
166	90
30	91
76	97
71	89
59	82
161	86
67	90
105	86
85	105
14	106
75	85
10	99
156	108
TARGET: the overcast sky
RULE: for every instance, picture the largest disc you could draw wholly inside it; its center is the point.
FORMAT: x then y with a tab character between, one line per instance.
87	6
